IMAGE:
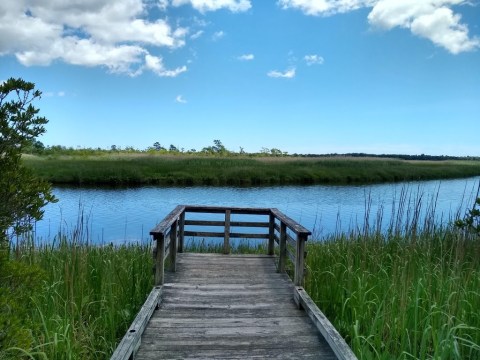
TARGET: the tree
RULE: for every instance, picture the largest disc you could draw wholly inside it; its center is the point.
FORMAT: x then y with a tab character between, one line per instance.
22	195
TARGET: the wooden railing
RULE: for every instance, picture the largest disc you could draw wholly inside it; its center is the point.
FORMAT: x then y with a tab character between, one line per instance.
280	230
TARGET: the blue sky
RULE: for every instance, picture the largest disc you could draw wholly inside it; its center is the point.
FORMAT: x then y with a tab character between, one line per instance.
304	76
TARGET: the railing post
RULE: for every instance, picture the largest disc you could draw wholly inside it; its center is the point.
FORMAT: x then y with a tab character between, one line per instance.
283	248
181	236
300	259
226	239
173	246
160	259
271	235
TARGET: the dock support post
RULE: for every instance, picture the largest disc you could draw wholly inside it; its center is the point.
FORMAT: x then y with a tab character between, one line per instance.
300	260
226	239
181	234
283	248
271	235
160	259
173	246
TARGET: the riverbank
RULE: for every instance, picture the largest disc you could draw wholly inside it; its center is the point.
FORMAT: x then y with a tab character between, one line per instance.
185	170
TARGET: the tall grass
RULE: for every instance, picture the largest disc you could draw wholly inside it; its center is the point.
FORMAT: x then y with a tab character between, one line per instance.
408	289
411	292
141	169
86	299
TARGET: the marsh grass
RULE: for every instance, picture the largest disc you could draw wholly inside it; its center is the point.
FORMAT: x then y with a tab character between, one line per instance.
87	297
142	169
408	289
410	292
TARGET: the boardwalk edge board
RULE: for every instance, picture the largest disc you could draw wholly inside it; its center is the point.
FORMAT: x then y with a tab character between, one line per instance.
131	341
331	335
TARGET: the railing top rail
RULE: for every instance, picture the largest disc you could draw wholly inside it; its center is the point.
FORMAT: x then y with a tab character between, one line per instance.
167	222
163	227
291	224
222	209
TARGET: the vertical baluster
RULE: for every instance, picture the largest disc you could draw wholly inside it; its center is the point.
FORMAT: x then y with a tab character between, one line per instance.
181	236
300	259
226	239
271	235
160	259
283	248
173	246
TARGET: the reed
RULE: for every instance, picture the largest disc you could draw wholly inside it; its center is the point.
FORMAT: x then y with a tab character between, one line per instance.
87	297
184	170
410	292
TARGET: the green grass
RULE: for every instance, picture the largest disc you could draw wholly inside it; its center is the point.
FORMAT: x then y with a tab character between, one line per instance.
411	292
184	170
85	300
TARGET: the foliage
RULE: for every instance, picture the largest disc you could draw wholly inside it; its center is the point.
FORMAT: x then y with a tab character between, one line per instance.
471	222
22	195
18	281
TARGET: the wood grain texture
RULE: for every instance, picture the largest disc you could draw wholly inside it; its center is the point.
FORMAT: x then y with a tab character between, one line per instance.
230	307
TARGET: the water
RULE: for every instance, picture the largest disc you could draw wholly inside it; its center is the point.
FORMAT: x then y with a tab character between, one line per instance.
126	215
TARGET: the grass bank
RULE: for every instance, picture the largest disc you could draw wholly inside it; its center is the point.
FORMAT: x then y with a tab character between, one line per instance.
183	170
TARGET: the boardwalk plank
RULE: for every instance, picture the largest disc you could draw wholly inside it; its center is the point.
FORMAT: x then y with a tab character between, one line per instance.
230	307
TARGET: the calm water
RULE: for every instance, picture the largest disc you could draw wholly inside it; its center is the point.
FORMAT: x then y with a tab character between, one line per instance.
125	215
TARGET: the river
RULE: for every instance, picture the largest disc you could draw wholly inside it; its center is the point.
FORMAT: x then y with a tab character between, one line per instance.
127	215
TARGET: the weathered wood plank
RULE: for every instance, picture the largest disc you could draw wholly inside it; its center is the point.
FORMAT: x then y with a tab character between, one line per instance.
252	224
331	335
167	222
214	234
130	342
237	322
221	210
291	224
227	306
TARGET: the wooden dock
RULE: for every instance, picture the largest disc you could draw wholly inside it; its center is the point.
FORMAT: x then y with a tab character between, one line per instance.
214	306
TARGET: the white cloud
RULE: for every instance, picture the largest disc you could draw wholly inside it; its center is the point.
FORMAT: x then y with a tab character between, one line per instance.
314	59
86	33
155	64
246	57
179	99
325	7
430	19
287	74
213	5
218	35
61	93
196	35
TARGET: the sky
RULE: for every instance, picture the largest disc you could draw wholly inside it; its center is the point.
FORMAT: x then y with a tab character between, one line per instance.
302	76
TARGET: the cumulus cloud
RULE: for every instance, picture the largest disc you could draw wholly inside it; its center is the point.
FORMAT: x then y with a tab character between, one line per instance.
431	19
246	57
287	74
86	33
213	5
179	99
313	59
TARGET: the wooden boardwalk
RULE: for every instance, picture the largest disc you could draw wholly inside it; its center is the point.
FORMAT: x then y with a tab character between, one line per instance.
230	307
211	306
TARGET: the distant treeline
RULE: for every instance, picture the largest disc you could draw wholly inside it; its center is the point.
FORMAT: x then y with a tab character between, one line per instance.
218	149
394	156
